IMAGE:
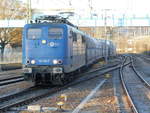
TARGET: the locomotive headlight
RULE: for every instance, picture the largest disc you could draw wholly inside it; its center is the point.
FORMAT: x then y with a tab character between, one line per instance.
55	61
59	61
43	41
32	61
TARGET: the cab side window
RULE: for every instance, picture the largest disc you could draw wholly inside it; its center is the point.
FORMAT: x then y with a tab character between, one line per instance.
74	37
83	39
71	34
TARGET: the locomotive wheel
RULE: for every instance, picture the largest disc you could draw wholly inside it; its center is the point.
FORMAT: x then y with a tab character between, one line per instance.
59	80
36	83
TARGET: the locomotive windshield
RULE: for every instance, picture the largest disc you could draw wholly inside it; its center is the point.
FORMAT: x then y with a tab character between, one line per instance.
55	33
34	33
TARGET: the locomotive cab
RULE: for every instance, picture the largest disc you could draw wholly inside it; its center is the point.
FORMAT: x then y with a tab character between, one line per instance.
43	52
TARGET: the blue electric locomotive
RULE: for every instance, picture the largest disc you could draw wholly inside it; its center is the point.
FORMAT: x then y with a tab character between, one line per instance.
54	49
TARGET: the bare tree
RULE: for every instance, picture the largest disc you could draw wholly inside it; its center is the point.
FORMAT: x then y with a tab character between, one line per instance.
10	10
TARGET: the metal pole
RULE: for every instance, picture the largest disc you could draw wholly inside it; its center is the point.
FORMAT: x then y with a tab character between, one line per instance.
105	24
0	68
96	25
29	10
90	7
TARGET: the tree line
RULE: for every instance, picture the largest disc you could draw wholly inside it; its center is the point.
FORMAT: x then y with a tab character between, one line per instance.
11	10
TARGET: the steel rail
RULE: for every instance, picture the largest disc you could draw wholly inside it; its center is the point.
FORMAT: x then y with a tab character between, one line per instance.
11	78
10	96
138	74
125	87
11	81
56	89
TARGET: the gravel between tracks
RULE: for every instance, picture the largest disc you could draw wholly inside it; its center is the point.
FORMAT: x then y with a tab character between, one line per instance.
16	87
138	91
9	74
120	96
143	68
103	100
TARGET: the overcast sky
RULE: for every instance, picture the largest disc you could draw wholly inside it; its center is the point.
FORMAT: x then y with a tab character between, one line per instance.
138	7
101	4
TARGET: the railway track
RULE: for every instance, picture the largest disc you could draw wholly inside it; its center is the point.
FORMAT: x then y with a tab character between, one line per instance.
100	69
11	80
135	88
12	72
28	96
144	57
139	75
16	79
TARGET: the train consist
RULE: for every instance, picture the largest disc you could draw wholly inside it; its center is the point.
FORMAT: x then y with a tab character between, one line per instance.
54	49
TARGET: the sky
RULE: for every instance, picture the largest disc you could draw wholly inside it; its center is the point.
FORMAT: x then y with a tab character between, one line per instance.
137	7
100	4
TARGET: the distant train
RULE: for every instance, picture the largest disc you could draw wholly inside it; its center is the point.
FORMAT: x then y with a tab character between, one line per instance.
54	49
